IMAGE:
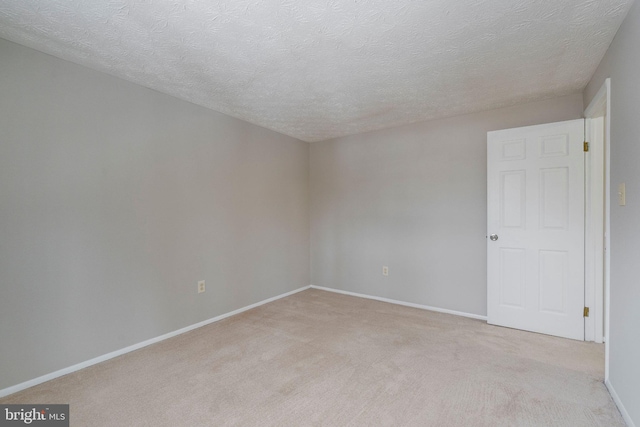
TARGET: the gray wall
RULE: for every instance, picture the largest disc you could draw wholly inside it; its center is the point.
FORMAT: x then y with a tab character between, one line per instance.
115	200
622	64
412	198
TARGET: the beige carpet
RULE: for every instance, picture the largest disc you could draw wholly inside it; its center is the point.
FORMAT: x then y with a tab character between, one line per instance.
318	358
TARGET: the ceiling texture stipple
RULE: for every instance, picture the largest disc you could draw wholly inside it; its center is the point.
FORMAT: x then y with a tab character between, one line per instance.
321	69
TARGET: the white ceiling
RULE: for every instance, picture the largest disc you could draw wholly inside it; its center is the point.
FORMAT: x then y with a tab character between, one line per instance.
319	69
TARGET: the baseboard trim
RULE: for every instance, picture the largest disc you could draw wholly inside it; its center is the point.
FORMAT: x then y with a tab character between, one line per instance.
47	377
407	304
619	404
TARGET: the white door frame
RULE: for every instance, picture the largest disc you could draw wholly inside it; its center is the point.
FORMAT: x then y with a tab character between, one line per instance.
594	229
597	280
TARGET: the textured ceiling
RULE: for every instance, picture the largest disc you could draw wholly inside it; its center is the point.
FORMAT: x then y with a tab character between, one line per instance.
319	69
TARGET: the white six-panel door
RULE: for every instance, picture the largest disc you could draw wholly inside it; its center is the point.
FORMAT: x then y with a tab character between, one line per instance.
535	187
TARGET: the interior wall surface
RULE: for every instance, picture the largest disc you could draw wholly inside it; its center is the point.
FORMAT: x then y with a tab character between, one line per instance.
414	199
115	200
621	63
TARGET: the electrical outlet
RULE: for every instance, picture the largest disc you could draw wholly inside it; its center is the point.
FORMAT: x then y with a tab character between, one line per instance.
385	270
201	287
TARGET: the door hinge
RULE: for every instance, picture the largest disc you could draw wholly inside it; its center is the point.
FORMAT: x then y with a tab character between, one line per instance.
586	146
586	312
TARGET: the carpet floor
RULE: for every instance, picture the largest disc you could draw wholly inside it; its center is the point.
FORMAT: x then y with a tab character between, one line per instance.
323	359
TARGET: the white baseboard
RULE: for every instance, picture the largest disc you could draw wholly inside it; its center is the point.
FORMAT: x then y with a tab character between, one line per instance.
47	377
407	304
618	402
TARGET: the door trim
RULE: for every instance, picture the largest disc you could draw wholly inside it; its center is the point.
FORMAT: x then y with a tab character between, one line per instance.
600	106
594	229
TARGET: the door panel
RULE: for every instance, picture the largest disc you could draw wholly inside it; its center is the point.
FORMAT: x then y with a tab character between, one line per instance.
513	193
554	198
535	187
512	277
